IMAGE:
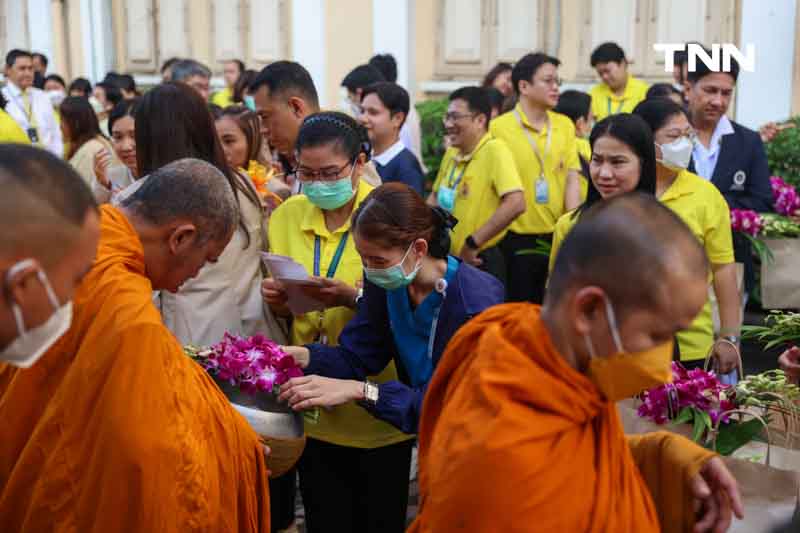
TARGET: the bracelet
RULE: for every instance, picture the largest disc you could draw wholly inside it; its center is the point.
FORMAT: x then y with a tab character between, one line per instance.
470	242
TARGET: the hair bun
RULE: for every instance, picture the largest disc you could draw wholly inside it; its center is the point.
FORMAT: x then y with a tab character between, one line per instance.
445	218
445	221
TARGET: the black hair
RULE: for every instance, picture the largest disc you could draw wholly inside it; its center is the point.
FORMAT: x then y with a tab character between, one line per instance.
574	104
606	53
288	78
126	82
113	94
126	108
661	90
239	63
394	97
496	98
701	70
656	112
246	77
477	99
361	76
81	84
488	80
634	132
81	122
339	129
16	53
387	66
42	58
168	63
56	78
527	67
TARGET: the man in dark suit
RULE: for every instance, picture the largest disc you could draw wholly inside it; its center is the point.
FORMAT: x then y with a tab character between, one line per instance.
731	156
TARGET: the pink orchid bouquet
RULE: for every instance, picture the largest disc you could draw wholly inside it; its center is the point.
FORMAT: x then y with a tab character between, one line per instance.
746	221
787	201
253	364
698	398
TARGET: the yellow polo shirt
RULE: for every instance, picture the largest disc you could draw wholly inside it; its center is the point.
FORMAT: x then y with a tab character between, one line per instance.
489	174
584	151
222	98
605	102
293	227
10	131
564	225
702	207
559	160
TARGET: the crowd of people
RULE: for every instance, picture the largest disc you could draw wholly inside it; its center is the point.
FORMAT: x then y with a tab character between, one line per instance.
558	263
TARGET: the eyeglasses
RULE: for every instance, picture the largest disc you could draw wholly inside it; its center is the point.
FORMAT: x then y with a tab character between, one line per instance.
325	174
549	82
454	117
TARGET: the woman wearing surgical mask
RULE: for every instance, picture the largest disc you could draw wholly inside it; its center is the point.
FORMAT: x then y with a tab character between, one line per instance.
702	207
416	296
354	470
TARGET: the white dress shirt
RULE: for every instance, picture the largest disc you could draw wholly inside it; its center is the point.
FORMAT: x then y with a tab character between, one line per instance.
42	109
705	159
411	135
393	151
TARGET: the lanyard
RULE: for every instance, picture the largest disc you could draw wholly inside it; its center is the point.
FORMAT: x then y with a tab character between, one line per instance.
619	108
535	146
337	256
26	110
453	184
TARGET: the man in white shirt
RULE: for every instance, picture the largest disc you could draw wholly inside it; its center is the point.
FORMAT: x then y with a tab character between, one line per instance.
29	106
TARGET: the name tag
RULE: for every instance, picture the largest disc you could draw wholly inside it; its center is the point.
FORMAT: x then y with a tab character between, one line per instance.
446	198
542	191
33	135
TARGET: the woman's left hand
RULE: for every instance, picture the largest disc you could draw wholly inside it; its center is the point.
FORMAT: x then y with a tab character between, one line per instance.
318	391
715	494
332	292
727	356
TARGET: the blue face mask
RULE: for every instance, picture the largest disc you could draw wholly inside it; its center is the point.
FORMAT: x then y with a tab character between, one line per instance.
393	277
328	195
249	102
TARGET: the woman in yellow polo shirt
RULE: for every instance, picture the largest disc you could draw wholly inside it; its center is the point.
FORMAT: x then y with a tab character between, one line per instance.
624	155
700	204
354	470
10	131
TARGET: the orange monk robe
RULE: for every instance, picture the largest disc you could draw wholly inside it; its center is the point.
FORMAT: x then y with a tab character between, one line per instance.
115	429
513	439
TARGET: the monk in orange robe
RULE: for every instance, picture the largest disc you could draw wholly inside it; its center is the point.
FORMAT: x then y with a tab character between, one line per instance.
519	428
115	429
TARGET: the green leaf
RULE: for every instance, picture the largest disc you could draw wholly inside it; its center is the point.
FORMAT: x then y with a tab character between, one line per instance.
683	417
699	425
736	434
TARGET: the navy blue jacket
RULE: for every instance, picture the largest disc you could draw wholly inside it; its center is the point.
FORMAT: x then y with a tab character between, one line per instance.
742	172
367	345
405	168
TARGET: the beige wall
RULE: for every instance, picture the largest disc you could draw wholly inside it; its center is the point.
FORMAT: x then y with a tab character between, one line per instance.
348	41
424	41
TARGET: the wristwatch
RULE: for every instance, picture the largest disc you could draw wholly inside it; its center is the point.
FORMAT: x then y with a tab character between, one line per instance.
733	339
371	392
470	242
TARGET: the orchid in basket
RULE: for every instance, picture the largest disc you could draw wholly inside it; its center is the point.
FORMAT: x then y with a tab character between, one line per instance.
698	398
254	364
787	201
751	224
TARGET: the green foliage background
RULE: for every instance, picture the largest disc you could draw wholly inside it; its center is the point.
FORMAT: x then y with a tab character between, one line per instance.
431	113
783	154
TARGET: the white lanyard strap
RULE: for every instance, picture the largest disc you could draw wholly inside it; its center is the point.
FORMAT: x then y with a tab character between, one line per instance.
539	157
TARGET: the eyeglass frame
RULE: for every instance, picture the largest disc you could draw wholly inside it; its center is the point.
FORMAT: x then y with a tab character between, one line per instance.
296	172
455	117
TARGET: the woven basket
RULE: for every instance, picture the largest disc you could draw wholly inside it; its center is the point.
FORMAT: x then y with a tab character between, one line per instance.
277	424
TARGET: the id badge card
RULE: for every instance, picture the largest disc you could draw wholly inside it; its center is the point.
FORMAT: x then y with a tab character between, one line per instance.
33	135
542	191
446	198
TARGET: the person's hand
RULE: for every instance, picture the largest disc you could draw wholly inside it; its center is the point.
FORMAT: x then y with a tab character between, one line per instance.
768	131
317	391
300	354
789	361
470	256
102	160
332	292
726	355
716	494
275	295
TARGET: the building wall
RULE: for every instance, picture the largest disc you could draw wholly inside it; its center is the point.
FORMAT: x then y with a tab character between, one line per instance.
440	52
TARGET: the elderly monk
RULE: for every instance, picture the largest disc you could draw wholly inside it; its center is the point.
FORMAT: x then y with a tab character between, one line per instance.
49	227
115	429
520	430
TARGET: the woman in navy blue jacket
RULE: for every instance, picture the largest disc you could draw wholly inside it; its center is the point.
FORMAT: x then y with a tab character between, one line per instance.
415	298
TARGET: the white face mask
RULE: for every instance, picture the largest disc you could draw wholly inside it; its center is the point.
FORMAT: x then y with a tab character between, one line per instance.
31	344
677	154
56	97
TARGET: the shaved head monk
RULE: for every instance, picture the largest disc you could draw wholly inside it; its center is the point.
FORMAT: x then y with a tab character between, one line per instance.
115	429
519	428
49	227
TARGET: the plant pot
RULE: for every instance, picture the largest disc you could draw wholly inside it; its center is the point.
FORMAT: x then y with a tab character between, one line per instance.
276	423
779	286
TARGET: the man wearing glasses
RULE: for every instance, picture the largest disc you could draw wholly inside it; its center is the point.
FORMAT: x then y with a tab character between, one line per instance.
543	145
477	182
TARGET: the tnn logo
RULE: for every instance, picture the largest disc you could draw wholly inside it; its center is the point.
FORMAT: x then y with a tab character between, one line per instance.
747	62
